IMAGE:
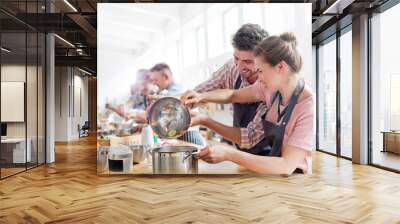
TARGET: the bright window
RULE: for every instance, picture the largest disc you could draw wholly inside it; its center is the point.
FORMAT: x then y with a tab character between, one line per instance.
201	44
276	22
214	35
172	56
231	25
385	85
346	94
327	97
189	48
252	14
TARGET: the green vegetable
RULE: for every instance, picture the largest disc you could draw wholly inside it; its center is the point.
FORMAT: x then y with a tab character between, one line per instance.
172	132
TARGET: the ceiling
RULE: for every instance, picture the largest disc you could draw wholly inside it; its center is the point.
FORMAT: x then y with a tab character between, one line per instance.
127	26
76	22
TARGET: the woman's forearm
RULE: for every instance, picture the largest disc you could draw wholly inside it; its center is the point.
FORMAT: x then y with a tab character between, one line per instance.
243	95
262	164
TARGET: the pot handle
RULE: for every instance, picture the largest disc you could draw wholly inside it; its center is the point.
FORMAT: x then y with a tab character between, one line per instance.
190	154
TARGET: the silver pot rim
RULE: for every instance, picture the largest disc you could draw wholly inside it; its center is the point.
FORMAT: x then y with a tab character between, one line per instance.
119	156
174	149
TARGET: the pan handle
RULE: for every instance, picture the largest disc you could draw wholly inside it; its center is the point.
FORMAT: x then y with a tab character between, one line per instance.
190	154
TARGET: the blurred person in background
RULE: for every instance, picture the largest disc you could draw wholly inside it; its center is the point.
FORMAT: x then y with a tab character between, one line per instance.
136	103
161	76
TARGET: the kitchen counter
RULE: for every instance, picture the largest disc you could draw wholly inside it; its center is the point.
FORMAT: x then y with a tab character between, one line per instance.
143	168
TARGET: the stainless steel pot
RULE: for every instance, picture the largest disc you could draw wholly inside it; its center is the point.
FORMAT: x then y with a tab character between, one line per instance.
175	160
120	159
169	118
102	158
138	153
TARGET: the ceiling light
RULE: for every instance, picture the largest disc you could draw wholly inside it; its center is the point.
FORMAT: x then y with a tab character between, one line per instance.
337	7
84	71
70	5
79	51
65	41
5	50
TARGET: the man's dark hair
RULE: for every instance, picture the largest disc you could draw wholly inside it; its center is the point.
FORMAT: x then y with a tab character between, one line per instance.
248	36
160	67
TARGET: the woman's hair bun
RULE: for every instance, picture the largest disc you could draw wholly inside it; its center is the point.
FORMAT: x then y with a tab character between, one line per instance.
289	37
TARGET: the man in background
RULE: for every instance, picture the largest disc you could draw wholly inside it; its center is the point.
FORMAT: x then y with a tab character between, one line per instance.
161	76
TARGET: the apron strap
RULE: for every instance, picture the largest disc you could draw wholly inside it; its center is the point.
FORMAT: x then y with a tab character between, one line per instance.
293	101
238	82
272	103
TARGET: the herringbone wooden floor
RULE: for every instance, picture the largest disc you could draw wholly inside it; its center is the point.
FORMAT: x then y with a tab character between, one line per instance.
69	191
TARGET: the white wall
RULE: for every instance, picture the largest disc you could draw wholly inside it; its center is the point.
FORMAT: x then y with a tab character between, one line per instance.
14	73
115	79
67	114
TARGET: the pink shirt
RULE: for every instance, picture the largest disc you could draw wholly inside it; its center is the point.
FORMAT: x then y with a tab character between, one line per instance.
299	131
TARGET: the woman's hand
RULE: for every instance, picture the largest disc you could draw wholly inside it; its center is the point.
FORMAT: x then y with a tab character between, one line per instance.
191	98
216	154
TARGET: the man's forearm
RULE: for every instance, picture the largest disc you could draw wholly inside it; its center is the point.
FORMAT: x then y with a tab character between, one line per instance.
218	96
230	133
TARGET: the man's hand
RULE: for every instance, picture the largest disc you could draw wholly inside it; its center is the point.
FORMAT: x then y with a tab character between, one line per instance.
139	117
197	119
191	98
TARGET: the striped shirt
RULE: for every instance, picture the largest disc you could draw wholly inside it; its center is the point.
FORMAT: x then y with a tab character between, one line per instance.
225	78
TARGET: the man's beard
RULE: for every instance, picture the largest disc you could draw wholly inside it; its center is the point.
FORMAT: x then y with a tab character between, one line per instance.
252	77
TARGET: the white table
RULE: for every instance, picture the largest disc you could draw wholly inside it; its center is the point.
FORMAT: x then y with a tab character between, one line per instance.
18	144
